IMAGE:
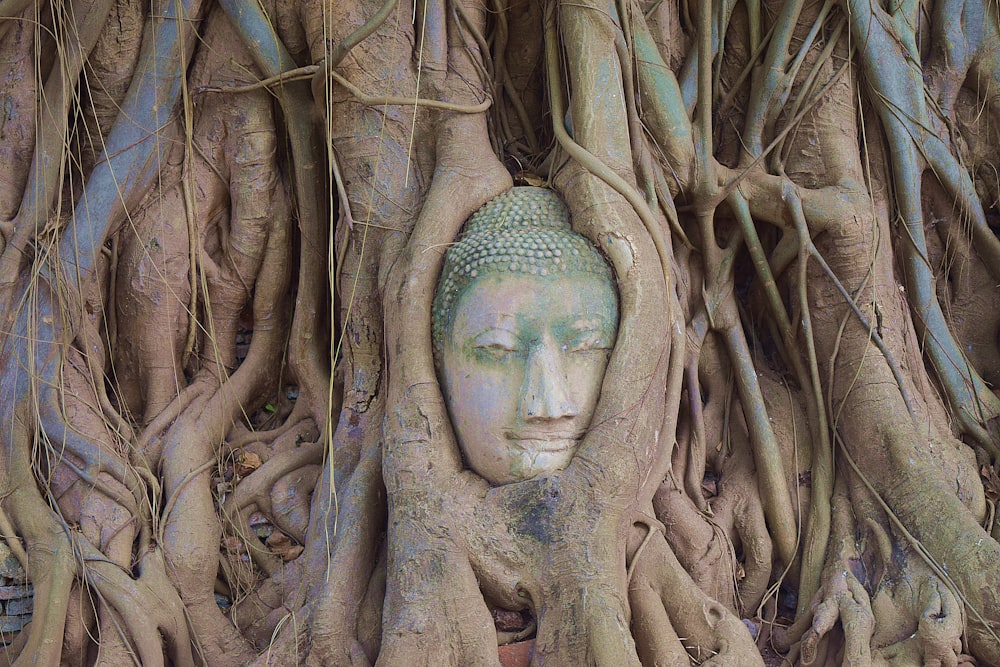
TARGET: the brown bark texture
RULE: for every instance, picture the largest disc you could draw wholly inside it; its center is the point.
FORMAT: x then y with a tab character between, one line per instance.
223	440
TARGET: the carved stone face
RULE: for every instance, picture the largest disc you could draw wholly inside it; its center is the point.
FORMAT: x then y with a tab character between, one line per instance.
522	369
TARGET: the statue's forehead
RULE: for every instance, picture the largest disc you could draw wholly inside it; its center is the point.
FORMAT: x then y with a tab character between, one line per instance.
519	303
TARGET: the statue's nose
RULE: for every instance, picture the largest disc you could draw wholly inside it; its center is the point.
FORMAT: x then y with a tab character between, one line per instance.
545	393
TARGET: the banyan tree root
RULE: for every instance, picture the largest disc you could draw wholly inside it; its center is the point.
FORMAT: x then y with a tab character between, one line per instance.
93	487
92	478
777	260
890	608
673	619
823	208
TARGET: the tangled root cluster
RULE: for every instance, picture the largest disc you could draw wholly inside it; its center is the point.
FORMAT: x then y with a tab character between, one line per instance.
223	437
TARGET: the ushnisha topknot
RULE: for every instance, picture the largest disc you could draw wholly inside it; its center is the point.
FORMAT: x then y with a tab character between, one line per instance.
525	230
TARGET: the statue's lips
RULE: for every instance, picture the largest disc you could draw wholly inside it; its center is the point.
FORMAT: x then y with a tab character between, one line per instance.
545	441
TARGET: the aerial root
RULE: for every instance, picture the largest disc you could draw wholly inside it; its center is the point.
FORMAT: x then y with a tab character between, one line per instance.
662	589
443	622
145	608
51	562
940	628
843	598
81	615
655	638
256	487
290	500
356	550
739	518
95	458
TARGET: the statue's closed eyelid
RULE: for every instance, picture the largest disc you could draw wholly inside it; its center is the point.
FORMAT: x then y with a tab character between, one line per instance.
496	339
596	338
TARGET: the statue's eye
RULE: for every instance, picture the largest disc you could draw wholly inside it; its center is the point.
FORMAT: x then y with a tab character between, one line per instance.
497	345
589	341
496	350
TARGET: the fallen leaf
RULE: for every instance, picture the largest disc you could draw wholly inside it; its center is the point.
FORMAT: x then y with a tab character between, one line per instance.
232	544
291	553
248	462
281	545
991	483
527	178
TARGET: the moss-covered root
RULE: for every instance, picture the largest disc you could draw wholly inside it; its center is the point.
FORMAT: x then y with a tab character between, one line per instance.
891	605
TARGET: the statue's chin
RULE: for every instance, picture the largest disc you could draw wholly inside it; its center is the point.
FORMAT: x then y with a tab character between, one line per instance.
539	457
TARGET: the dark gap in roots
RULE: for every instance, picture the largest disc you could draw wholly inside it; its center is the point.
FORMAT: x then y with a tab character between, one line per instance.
16	596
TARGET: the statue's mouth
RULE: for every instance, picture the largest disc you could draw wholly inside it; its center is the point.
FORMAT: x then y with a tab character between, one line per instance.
545	441
545	435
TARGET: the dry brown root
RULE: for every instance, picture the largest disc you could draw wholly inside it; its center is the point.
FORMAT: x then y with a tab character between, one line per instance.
145	610
191	529
286	456
110	68
740	518
700	545
80	618
940	626
192	532
16	145
290	474
51	565
348	507
241	235
674	619
424	622
338	619
558	549
262	613
516	549
707	380
229	213
290	499
926	478
50	427
965	286
89	479
726	548
111	528
843	597
152	291
71	447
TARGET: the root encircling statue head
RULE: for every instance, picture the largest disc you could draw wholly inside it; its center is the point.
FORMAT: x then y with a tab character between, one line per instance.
525	317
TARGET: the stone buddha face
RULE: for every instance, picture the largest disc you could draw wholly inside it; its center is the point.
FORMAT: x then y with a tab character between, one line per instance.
525	319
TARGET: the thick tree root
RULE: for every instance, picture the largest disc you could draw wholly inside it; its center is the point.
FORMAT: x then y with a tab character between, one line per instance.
708	632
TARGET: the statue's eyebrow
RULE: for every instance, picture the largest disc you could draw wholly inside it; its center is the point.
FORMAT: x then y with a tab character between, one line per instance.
593	323
496	322
490	329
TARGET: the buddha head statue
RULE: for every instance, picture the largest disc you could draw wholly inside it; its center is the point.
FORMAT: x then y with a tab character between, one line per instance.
524	320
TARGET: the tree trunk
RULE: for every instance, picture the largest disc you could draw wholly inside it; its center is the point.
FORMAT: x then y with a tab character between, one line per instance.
225	442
